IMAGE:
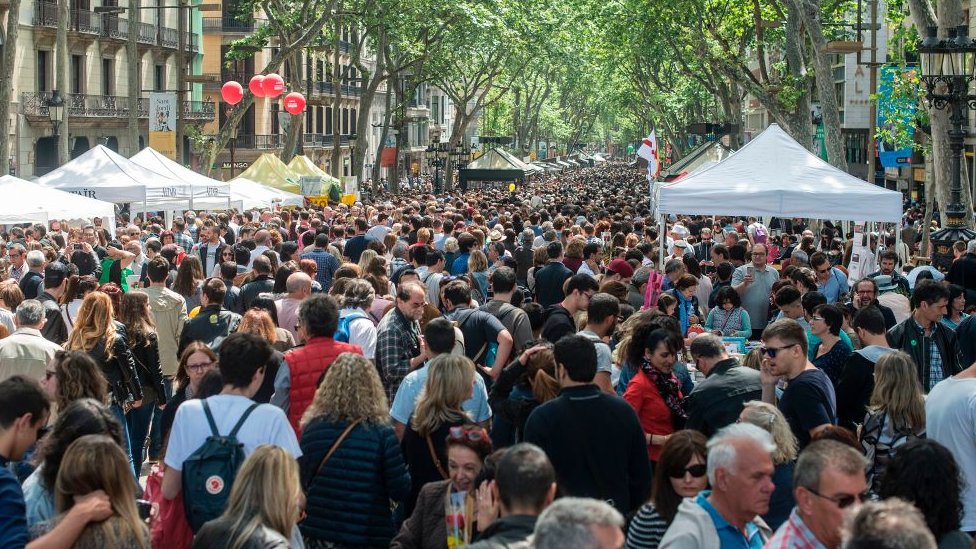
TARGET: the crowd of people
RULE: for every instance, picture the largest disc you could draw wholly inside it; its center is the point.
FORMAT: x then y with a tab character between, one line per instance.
489	369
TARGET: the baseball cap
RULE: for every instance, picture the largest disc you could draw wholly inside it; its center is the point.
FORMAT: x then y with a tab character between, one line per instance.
621	267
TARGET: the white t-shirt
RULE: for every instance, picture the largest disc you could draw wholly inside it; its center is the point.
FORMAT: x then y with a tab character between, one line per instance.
362	332
950	420
267	424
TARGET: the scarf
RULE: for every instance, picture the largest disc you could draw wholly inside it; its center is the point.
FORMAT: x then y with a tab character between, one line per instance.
670	389
685	307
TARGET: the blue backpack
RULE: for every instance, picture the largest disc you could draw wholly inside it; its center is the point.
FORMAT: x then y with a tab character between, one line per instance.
209	472
342	331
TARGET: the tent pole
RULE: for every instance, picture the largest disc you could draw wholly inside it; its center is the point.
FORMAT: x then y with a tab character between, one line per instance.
662	244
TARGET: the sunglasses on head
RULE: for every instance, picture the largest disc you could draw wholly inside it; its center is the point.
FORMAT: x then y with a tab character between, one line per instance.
463	433
697	470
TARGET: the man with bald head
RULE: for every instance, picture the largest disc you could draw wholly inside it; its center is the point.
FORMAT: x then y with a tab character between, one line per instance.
299	286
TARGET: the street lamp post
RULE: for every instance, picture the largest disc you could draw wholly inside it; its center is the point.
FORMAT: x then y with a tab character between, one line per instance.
55	111
948	73
436	155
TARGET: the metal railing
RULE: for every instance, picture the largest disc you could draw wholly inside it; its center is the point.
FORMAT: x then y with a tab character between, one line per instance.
111	26
80	105
276	141
321	88
232	25
169	38
82	21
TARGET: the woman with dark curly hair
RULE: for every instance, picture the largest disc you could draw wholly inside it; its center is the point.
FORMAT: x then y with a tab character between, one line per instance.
82	417
926	474
73	375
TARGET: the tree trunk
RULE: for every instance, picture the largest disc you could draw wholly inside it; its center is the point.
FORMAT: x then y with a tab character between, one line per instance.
7	65
133	76
61	76
387	113
336	105
297	124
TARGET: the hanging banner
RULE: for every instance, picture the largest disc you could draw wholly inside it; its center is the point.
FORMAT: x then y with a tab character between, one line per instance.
892	108
162	123
388	157
863	260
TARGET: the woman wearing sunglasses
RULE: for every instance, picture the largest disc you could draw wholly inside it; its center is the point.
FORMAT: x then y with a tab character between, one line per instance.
680	473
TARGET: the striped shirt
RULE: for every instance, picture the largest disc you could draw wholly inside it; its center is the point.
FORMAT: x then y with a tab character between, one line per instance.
794	534
646	529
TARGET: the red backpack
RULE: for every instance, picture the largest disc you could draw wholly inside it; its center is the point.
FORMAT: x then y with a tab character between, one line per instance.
655	286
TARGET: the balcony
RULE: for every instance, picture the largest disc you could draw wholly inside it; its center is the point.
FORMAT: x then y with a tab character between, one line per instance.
231	25
276	141
82	21
325	90
34	104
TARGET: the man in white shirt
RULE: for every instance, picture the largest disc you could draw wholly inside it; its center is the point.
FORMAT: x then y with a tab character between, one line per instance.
242	364
950	420
262	239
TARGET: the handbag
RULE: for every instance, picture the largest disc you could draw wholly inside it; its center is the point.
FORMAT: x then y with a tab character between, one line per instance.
332	449
168	528
437	461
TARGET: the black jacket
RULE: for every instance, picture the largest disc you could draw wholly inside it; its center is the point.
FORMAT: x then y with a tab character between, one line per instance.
717	401
211	332
886	312
907	337
549	283
54	329
251	290
966	336
509	414
218	533
963	273
582	430
32	284
232	299
855	386
120	370
146	356
557	324
506	532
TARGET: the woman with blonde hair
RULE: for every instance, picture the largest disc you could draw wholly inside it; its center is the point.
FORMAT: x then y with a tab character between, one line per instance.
450	381
366	260
768	417
478	269
91	464
104	339
896	413
264	505
350	449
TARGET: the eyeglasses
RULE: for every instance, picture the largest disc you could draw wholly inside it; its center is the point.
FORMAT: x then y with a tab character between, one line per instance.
466	433
771	352
820	318
199	367
866	292
48	374
697	470
842	501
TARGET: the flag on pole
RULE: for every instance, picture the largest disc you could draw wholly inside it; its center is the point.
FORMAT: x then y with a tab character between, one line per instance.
649	151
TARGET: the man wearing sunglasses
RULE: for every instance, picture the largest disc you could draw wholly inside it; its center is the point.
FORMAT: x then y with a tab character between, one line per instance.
827	482
754	281
808	402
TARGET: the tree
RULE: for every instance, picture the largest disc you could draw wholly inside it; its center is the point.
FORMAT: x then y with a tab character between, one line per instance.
7	64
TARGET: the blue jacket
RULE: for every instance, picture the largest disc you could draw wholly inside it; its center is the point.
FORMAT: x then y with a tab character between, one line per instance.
348	502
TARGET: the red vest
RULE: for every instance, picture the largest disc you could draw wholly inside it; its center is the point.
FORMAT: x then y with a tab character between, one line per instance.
306	365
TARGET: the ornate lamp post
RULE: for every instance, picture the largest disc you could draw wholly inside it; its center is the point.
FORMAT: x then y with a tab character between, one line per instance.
948	72
436	158
55	111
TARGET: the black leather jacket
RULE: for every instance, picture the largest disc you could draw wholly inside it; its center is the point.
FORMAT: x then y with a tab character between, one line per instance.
210	331
120	370
54	329
232	299
218	533
251	290
908	337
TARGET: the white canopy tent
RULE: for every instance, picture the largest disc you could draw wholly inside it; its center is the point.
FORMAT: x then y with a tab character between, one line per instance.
773	175
103	174
216	194
255	195
26	202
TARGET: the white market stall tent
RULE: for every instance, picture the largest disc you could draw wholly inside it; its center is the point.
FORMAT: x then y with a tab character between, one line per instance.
773	175
27	202
207	193
103	174
252	194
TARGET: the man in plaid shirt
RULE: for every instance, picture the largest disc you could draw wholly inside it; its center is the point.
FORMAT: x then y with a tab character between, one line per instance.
828	481
400	348
180	237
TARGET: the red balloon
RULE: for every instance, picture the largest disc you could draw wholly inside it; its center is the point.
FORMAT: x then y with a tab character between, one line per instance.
255	85
273	85
232	92
294	103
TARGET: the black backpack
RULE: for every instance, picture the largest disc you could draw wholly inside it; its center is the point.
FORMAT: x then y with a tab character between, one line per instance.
209	472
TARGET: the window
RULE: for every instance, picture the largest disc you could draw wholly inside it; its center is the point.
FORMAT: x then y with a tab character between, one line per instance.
443	109
435	108
275	127
159	78
77	74
108	76
319	122
352	121
328	121
42	67
345	121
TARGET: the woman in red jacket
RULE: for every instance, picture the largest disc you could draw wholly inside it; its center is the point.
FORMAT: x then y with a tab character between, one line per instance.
655	392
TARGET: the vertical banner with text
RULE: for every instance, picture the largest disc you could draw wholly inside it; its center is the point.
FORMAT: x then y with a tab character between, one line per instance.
162	123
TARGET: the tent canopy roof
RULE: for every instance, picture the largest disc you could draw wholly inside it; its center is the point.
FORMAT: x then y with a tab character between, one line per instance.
270	171
302	165
713	151
498	159
256	195
26	202
773	175
154	160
